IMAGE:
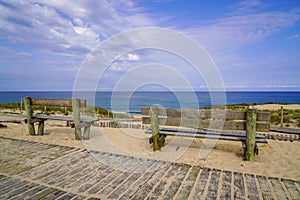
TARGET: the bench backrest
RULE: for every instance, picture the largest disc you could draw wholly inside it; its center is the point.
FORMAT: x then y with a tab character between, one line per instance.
56	102
233	120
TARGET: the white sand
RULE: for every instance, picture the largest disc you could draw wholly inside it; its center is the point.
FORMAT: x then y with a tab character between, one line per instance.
277	106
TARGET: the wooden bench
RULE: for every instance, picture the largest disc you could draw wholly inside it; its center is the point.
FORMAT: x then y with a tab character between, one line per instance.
236	126
84	122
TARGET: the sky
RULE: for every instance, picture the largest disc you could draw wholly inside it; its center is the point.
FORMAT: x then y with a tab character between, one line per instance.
254	44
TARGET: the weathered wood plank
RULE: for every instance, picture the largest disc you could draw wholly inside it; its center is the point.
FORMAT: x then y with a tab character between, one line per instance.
251	187
11	185
276	183
29	193
43	193
213	124
222	136
136	164
212	191
67	196
263	116
225	192
292	188
206	114
188	183
101	175
15	192
72	175
116	178
56	102
172	190
201	183
55	195
131	180
143	191
239	188
58	169
42	171
264	187
132	190
161	187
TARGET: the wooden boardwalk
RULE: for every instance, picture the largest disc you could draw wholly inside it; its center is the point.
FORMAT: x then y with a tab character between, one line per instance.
41	171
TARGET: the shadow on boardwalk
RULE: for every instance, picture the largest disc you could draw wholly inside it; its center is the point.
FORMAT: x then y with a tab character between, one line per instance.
43	171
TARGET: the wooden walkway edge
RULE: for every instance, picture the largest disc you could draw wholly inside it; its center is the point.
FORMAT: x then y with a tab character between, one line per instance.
35	170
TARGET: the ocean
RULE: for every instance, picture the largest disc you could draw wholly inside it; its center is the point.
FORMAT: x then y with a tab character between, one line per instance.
126	102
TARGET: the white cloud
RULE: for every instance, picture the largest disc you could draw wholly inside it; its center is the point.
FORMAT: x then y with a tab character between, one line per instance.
69	27
133	57
231	32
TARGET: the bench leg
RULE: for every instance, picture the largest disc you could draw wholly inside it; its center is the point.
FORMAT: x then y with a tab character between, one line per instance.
86	132
162	140
41	128
244	148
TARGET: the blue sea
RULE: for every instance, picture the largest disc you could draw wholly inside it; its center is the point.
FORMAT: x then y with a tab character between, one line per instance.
126	102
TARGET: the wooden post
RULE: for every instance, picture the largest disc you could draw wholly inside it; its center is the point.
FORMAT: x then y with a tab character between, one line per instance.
29	112
155	127
76	114
250	134
281	116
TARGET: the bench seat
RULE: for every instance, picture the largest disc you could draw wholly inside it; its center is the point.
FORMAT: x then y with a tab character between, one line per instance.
65	118
207	134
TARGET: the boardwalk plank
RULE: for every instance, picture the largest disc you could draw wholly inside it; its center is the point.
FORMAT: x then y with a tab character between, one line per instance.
264	187
11	185
42	170
131	179
66	177
30	193
201	183
251	186
292	188
54	195
172	190
161	187
144	178
212	191
137	163
97	169
101	175
111	176
18	191
279	191
188	184
225	192
239	188
145	189
42	194
63	171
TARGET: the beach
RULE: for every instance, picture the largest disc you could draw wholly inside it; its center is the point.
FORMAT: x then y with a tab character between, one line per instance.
279	159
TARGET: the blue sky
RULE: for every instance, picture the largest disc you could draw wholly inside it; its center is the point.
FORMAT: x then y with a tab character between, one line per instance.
254	44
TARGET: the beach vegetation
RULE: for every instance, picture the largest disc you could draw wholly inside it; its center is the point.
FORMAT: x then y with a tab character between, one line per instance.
290	116
51	110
